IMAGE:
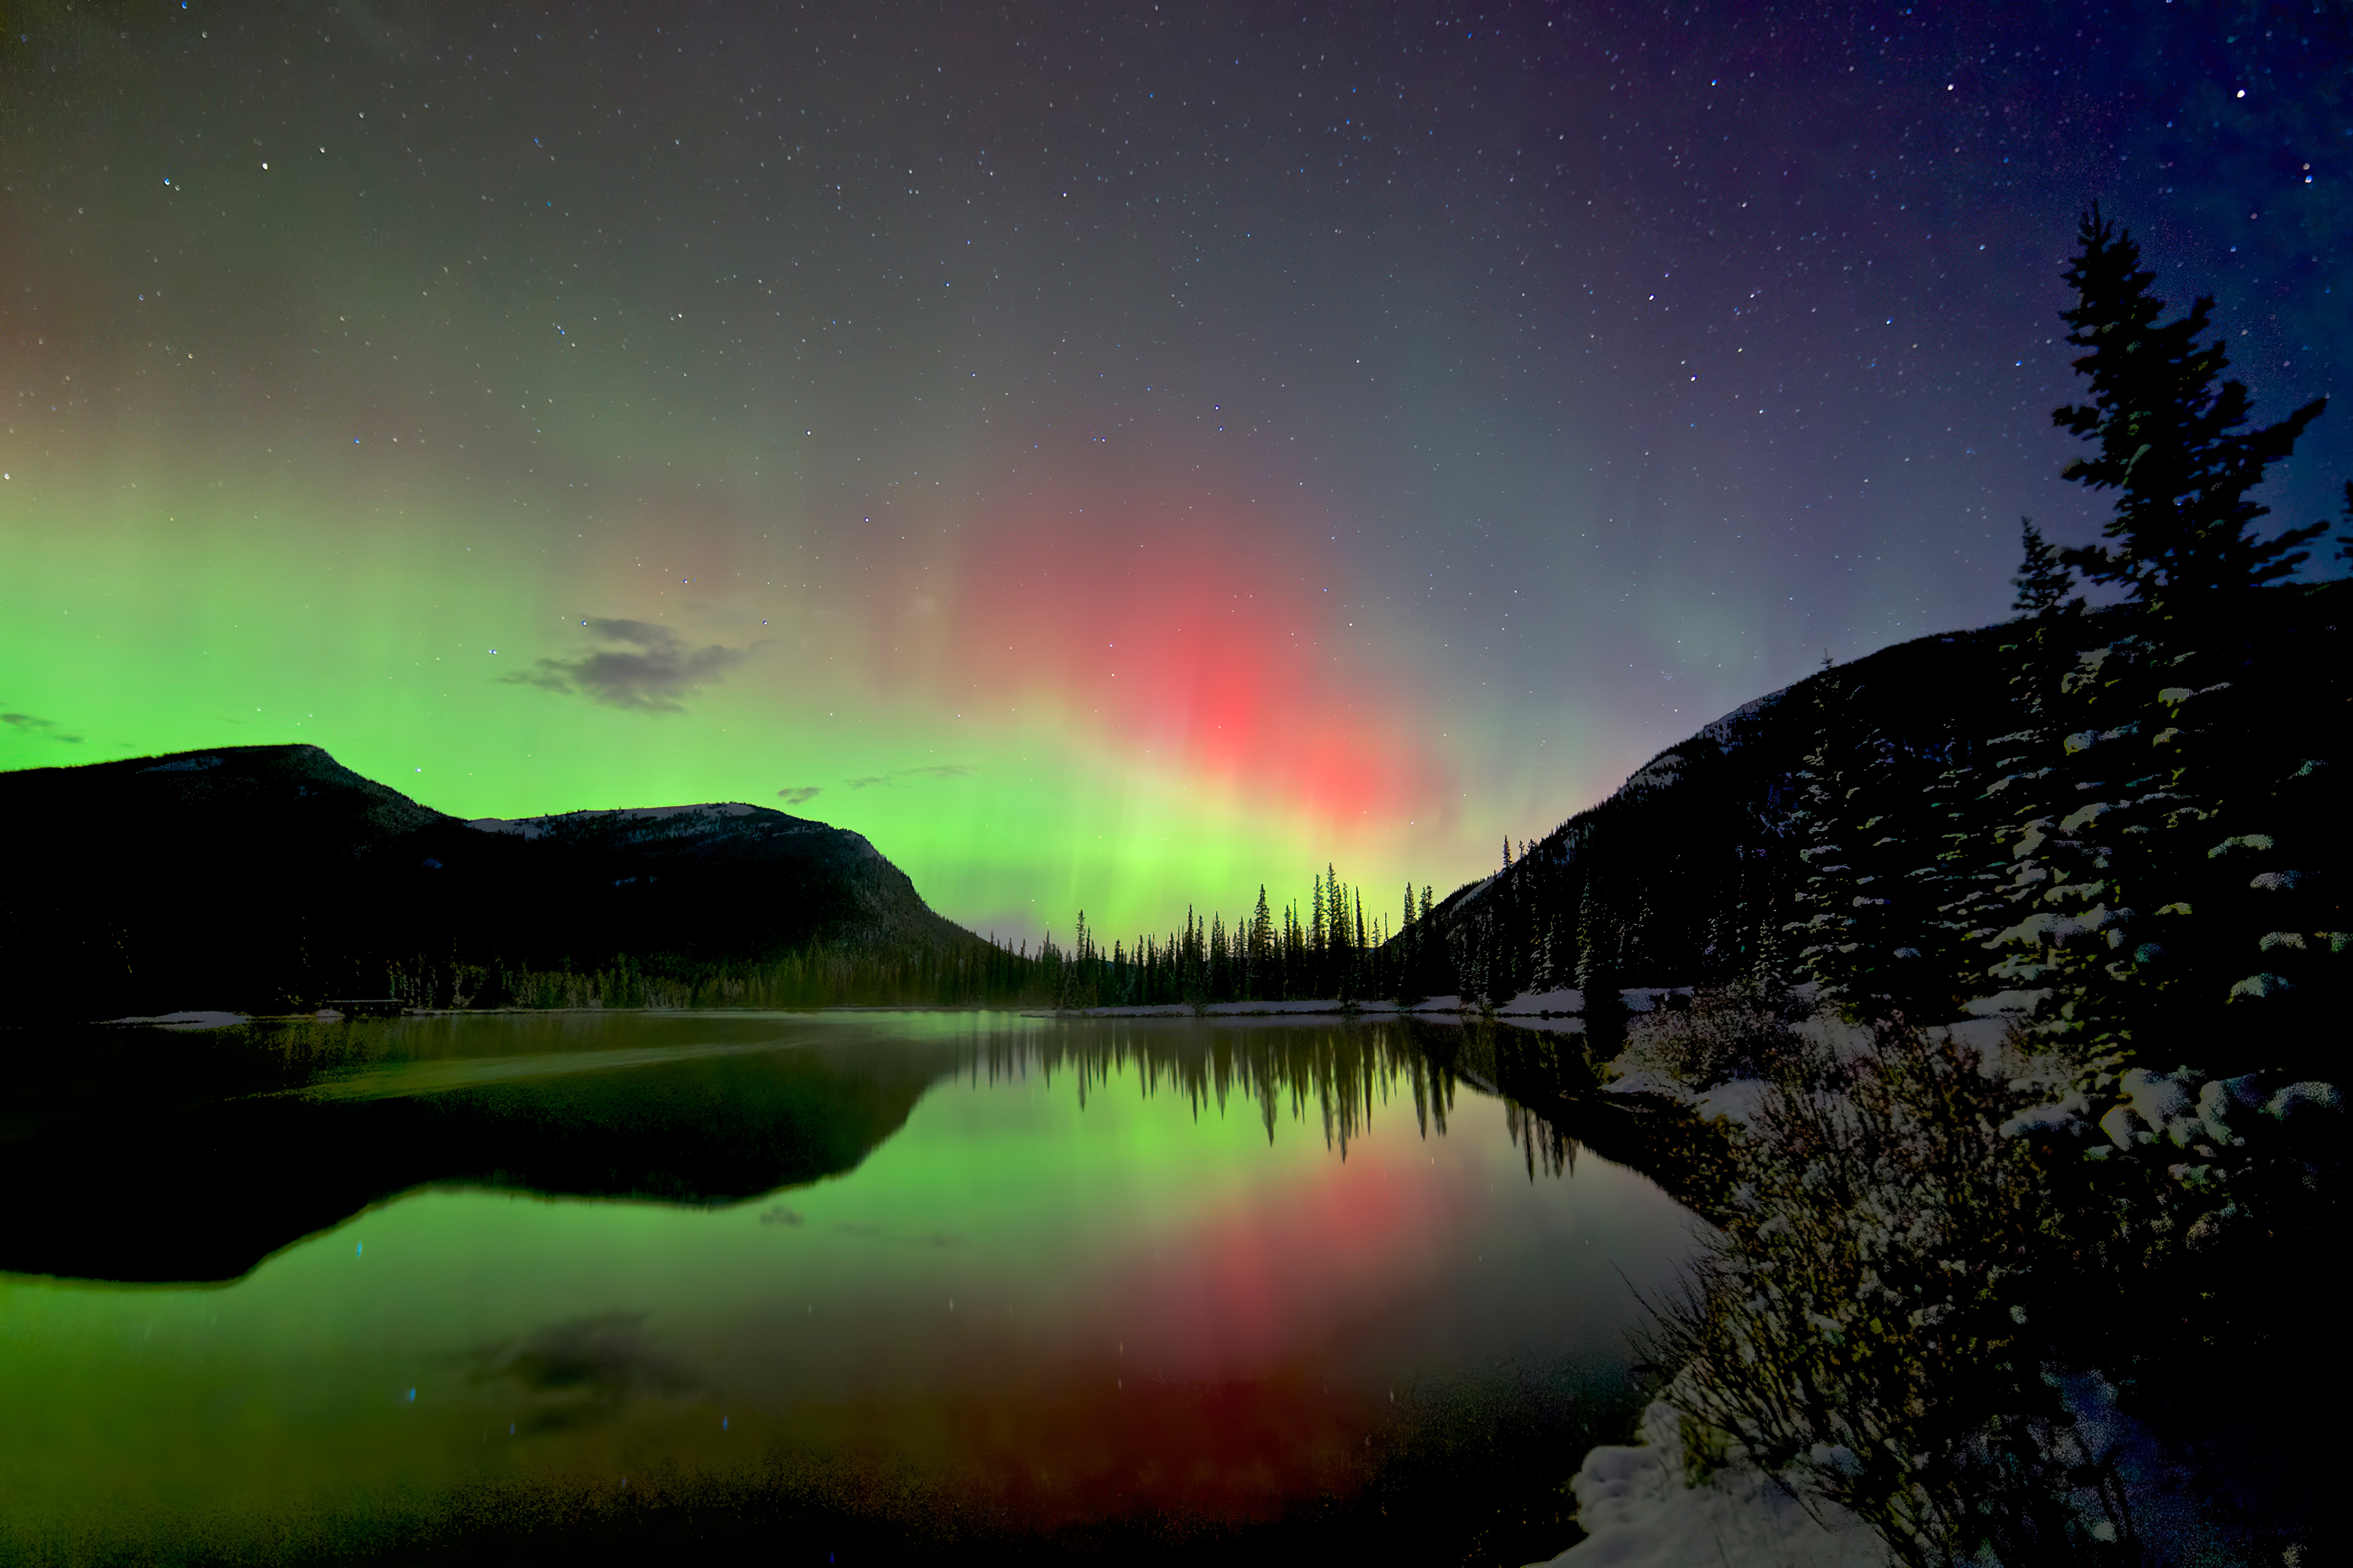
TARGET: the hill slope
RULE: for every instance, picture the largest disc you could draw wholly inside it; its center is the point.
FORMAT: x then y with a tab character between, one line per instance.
1923	824
272	878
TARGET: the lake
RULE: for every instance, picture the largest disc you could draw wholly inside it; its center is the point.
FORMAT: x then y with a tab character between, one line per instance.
852	1284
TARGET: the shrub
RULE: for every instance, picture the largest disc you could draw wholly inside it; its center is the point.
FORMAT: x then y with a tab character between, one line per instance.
1866	1324
1725	1033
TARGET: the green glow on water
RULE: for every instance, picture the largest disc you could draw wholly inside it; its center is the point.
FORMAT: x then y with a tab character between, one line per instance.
1073	1283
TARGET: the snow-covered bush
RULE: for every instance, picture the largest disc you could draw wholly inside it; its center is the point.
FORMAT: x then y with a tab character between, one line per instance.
1866	1324
2194	1175
1726	1033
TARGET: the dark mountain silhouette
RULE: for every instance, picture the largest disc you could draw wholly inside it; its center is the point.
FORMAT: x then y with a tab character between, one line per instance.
271	878
1704	827
1913	779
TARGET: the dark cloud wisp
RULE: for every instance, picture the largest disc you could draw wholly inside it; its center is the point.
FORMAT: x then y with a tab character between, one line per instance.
800	794
648	671
942	771
37	729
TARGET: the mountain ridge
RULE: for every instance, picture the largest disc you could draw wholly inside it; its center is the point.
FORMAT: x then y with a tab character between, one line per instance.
273	878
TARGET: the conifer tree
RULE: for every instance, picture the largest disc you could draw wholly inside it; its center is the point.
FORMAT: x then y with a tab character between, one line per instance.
2150	839
1822	932
1436	975
2170	440
1503	950
2042	579
1598	981
1335	934
1315	935
1263	983
1358	947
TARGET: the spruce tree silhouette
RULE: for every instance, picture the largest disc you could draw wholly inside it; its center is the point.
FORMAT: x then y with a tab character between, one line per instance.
2172	439
2042	579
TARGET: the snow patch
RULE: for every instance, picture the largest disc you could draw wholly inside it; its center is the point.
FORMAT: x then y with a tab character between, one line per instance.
2016	1002
192	1020
1637	1511
1325	1006
1737	1102
2300	1099
1561	1000
530	827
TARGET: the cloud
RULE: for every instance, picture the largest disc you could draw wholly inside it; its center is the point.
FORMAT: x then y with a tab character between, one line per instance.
648	672
943	770
800	794
34	729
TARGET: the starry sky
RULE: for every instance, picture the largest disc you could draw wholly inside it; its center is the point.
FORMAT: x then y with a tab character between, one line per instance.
1112	455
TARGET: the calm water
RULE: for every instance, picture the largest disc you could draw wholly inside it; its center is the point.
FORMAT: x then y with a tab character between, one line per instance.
1022	1273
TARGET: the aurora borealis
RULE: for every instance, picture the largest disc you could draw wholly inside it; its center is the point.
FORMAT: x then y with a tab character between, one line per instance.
1109	455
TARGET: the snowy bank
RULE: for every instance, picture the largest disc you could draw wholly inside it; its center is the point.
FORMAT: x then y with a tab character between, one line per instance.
194	1020
1533	1009
1636	1510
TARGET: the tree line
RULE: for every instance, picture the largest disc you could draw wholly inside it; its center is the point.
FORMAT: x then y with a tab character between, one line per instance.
1328	949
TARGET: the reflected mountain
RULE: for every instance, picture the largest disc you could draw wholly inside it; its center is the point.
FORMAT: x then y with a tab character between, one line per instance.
190	1157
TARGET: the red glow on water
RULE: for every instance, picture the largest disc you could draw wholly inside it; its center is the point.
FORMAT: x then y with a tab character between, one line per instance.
1225	1373
1095	1441
1260	1281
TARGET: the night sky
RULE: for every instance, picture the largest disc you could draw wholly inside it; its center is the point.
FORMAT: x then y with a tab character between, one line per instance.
1111	455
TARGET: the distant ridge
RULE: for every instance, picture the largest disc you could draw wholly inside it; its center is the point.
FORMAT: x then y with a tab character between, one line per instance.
1692	870
272	878
1685	858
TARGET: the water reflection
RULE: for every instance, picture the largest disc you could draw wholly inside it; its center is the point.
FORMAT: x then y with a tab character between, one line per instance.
1344	1071
277	1130
1035	1276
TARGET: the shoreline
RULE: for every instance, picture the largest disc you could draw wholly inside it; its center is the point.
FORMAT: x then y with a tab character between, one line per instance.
1554	1010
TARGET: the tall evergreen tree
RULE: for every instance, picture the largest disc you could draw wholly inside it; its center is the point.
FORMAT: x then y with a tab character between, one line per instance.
1315	939
2042	579
2170	440
1356	896
1262	982
2150	863
1599	982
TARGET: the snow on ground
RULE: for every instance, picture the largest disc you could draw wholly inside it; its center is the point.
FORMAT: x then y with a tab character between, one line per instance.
1534	1009
1636	1512
198	1020
1561	1001
1736	1101
2010	1003
1326	1005
530	827
1528	1011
